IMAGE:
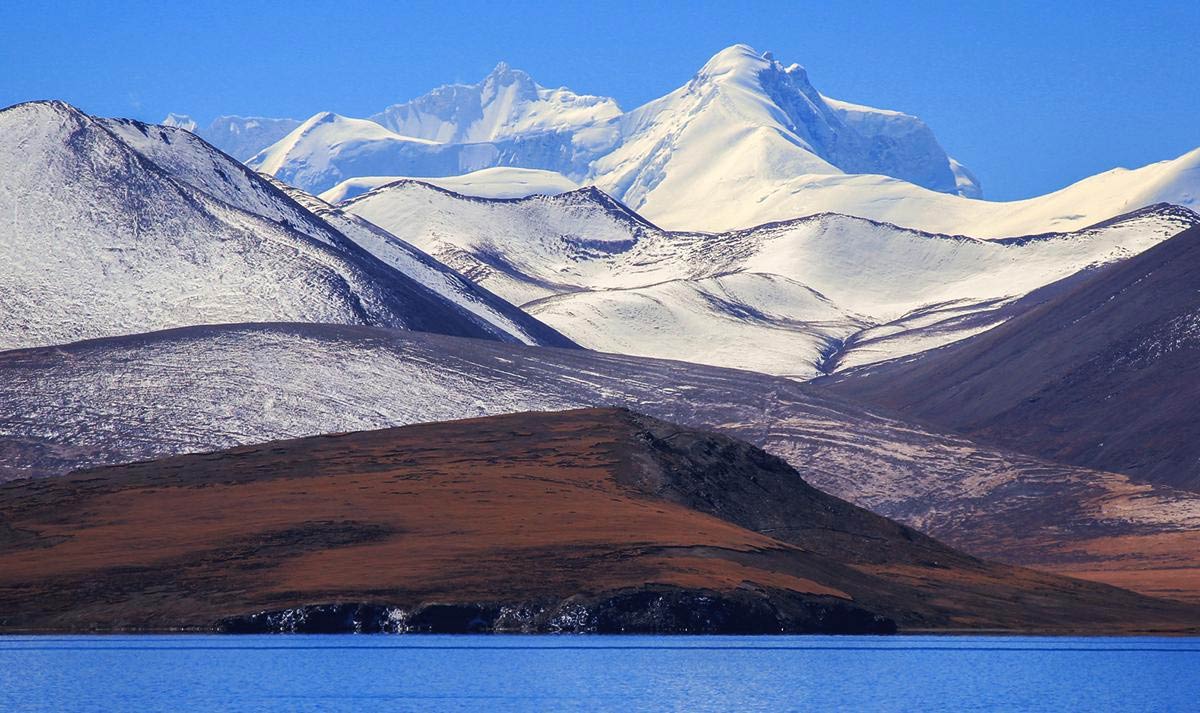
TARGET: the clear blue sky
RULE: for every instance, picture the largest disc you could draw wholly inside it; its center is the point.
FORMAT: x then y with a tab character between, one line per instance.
1031	96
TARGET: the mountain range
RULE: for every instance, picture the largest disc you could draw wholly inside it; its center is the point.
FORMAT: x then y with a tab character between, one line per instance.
743	258
207	388
746	141
507	119
799	298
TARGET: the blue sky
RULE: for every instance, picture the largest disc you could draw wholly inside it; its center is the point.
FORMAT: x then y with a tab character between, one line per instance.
1031	96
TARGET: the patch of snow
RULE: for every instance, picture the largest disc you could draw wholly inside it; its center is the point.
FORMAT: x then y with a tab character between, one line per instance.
497	182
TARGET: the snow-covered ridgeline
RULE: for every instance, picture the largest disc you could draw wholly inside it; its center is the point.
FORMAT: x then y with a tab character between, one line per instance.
745	106
117	227
797	298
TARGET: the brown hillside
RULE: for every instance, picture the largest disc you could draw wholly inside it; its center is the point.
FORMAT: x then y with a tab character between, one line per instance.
592	520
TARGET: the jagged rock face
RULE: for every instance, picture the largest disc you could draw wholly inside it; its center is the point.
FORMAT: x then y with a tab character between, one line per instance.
119	227
630	524
207	388
1101	373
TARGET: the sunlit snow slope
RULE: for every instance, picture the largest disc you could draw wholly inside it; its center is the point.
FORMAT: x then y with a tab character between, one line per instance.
797	298
114	227
497	182
748	140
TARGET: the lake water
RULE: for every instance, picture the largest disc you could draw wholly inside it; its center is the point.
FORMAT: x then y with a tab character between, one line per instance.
518	673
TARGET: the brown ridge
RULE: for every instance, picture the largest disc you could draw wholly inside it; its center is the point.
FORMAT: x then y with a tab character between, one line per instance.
510	510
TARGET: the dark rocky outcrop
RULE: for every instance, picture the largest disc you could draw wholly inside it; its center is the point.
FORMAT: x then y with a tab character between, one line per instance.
651	610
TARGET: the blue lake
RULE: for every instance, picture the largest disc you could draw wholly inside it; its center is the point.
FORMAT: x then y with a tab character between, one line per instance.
518	673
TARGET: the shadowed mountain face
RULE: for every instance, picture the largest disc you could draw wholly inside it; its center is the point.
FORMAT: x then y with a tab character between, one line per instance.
589	520
207	388
1104	374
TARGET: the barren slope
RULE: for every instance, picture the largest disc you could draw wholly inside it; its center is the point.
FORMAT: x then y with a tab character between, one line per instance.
1103	374
593	520
113	227
201	389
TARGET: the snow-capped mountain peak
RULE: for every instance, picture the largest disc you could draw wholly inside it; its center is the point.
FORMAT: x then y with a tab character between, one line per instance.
744	123
507	103
748	139
747	121
734	60
182	121
329	147
505	80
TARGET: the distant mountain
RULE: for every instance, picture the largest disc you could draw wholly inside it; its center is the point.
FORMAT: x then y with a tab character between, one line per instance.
506	104
799	298
631	525
743	125
180	121
205	388
748	141
505	120
737	101
1104	373
239	136
119	227
745	142
328	148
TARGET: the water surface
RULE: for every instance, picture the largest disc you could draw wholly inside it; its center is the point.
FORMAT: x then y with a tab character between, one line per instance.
600	673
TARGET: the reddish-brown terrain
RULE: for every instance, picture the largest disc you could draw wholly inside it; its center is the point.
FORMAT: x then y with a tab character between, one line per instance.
1163	565
588	520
